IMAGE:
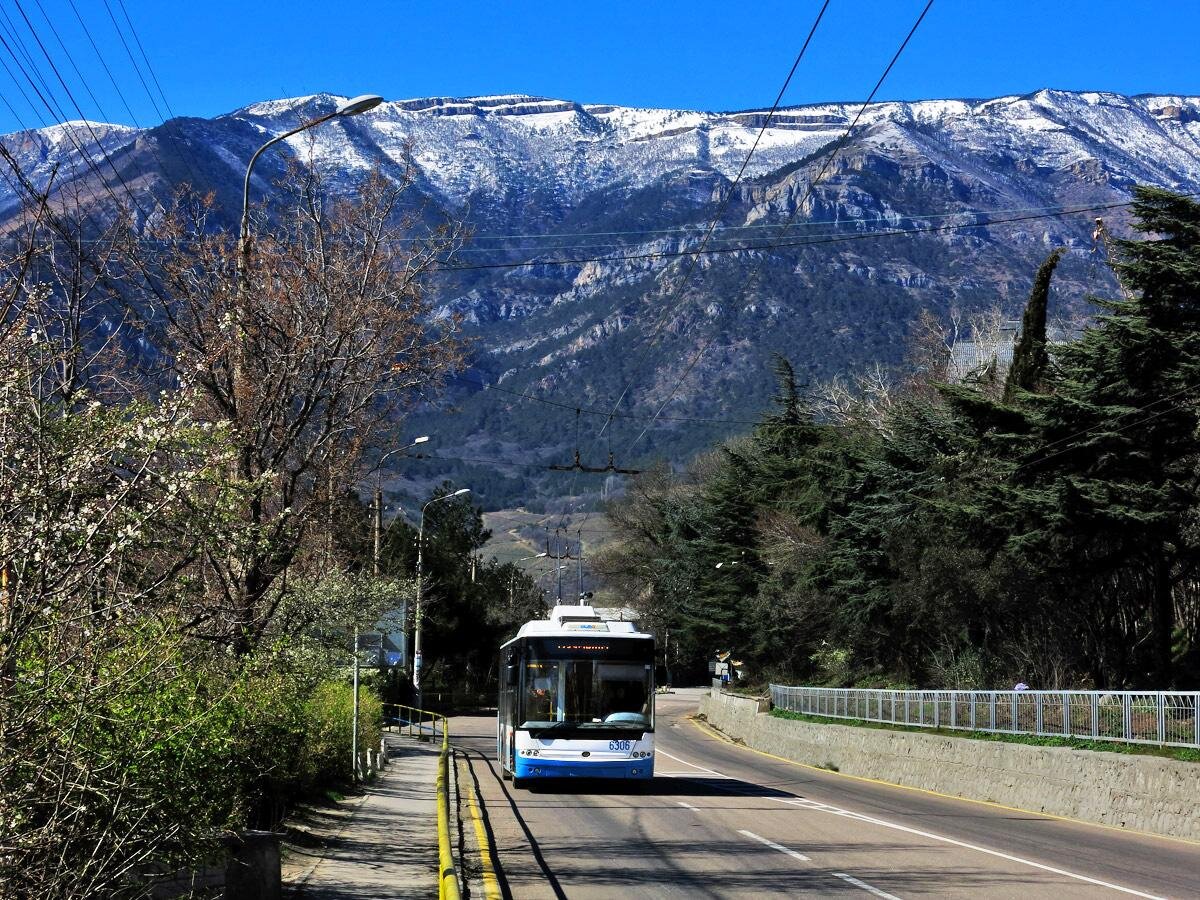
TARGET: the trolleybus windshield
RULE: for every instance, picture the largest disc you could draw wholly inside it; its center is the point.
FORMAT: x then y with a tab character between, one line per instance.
588	682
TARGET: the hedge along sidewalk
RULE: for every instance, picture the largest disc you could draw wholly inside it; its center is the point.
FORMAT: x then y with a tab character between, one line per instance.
382	844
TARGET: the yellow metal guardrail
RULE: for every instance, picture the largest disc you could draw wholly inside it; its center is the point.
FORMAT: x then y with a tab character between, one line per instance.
447	875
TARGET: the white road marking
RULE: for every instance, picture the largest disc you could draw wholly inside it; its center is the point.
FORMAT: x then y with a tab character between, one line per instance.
687	806
845	813
813	805
692	765
866	887
774	846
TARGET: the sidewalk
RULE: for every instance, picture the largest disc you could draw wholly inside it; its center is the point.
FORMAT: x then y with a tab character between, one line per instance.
383	844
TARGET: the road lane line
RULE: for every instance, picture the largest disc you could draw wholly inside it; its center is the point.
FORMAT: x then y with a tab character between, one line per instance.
687	806
813	805
691	765
866	887
782	849
845	813
712	732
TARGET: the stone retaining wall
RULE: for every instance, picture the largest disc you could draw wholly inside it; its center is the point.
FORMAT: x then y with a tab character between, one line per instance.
1144	793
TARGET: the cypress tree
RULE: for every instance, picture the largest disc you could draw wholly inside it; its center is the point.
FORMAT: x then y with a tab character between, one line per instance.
1029	356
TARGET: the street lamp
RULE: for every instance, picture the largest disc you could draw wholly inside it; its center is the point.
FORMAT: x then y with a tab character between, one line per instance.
512	581
377	524
417	618
346	108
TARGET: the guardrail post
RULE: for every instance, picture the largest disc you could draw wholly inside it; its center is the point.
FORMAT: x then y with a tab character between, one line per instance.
1126	716
1196	718
1066	715
1162	717
1037	703
1095	703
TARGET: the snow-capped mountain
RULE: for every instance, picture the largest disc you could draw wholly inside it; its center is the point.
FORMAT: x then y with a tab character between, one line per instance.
543	179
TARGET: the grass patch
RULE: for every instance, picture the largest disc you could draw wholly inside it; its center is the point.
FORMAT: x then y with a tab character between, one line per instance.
1183	754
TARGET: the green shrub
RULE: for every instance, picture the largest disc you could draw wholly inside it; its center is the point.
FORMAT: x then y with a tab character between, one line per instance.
325	749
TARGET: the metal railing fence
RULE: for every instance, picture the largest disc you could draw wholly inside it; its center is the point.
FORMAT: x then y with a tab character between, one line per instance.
424	724
1168	718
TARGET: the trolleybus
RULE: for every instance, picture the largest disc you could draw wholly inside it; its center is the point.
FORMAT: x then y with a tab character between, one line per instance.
576	699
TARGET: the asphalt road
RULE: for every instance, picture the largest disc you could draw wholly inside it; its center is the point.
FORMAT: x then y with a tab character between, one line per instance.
720	820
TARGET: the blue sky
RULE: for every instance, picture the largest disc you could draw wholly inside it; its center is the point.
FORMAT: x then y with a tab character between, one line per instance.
212	56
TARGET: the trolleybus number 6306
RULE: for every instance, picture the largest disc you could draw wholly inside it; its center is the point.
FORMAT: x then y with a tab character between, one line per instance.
620	745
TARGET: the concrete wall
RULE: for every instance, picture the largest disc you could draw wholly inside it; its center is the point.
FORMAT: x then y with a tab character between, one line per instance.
1144	793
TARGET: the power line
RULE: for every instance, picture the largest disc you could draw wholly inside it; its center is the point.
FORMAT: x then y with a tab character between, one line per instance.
699	354
480	459
104	63
112	80
133	61
52	106
682	282
697	229
595	411
154	77
145	58
830	239
70	96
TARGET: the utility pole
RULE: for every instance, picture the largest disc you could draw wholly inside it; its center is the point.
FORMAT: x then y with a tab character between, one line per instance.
377	528
579	536
558	558
377	522
558	565
420	587
667	654
354	718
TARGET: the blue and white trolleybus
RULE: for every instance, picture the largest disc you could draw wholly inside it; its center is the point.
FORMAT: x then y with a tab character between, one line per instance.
576	699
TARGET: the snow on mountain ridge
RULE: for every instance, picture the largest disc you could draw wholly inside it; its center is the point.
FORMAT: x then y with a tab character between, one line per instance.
510	144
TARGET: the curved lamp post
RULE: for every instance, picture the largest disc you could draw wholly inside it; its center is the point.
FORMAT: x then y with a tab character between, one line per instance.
417	617
512	581
352	107
377	512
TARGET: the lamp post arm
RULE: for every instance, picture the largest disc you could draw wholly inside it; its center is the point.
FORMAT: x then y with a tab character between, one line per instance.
245	226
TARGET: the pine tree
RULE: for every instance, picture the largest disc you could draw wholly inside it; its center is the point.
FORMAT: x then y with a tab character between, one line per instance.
1112	486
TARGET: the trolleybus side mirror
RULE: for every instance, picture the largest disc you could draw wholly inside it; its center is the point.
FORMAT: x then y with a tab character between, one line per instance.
510	675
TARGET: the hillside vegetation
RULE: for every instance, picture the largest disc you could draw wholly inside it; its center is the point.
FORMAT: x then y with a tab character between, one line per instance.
1037	527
